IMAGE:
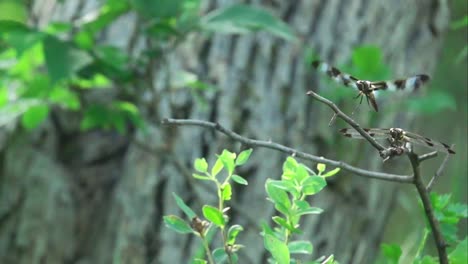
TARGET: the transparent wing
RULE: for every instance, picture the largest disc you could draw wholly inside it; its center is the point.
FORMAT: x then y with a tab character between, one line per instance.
427	142
377	133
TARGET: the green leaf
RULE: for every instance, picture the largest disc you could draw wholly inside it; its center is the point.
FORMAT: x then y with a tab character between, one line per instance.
214	215
392	252
12	110
321	167
226	192
460	253
232	234
277	248
239	179
289	168
304	208
217	167
276	194
220	255
434	102
95	116
301	173
283	223
228	160
184	207
313	185
368	63
199	261
241	18
201	177
13	10
460	23
300	247
427	260
34	116
330	173
201	165
243	157
458	209
62	59
177	224
64	97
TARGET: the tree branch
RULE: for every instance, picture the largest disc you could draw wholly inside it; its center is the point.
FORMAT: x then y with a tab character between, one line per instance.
424	194
438	173
348	120
427	156
290	151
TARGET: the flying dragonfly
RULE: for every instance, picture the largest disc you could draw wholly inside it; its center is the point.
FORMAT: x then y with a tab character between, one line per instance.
367	88
398	138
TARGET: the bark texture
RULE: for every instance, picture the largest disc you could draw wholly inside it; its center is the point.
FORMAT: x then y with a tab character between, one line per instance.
99	197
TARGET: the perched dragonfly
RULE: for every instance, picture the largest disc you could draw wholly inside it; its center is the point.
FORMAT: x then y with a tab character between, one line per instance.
398	138
367	88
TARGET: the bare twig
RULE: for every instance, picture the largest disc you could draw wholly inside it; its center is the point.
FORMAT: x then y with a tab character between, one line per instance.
424	194
427	156
438	172
290	151
348	120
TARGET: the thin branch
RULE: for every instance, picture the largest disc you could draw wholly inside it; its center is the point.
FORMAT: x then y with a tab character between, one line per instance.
290	151
427	156
348	120
438	173
424	194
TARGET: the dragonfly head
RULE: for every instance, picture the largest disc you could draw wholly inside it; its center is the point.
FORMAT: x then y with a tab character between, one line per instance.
397	134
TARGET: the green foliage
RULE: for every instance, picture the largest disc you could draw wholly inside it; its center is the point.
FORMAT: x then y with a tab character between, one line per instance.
62	59
449	215
177	224
241	18
368	63
391	252
456	25
215	216
75	61
288	195
289	198
433	102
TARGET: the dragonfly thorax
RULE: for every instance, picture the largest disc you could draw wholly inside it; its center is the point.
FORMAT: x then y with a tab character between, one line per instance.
364	86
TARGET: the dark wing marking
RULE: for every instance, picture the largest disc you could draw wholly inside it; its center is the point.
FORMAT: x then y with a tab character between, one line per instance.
410	84
376	133
424	141
335	74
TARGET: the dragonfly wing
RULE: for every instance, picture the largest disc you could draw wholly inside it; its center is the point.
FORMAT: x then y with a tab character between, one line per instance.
409	84
335	74
427	142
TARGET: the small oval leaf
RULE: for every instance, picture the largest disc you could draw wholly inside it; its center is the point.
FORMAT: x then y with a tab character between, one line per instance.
239	179
213	215
243	157
177	224
201	165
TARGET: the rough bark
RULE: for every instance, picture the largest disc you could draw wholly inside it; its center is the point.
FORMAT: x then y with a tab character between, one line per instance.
96	197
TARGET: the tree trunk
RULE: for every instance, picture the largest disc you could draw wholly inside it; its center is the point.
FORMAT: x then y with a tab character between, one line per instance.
99	197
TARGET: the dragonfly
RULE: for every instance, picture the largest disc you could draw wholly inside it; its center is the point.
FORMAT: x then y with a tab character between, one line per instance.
367	88
398	138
